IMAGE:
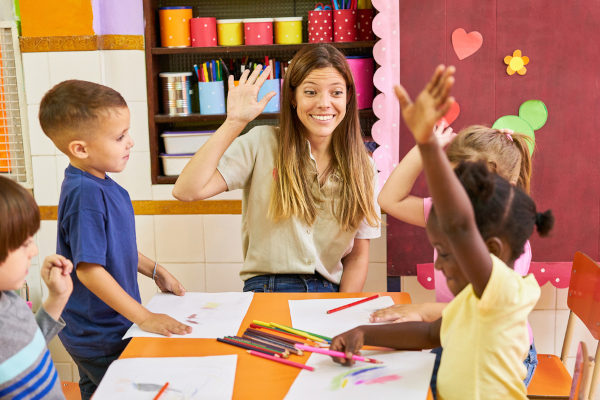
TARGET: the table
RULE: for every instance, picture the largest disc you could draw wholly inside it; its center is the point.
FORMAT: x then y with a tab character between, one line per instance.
255	378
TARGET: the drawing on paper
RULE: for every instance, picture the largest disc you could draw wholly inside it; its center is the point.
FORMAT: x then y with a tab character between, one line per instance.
367	375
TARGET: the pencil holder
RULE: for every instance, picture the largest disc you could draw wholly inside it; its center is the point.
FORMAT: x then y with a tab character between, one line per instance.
364	24
320	26
175	26
211	96
344	26
270	85
288	30
362	72
203	32
230	32
176	92
258	31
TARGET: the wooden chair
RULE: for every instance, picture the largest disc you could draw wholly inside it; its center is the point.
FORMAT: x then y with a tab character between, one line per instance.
581	374
551	379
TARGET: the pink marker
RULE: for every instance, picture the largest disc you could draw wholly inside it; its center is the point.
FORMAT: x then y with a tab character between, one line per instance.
332	353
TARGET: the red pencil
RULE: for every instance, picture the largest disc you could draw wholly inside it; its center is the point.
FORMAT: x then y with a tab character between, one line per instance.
281	360
161	391
352	304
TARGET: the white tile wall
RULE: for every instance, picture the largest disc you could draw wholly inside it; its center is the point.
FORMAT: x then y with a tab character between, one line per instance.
40	144
84	65
36	71
223	238
191	275
223	277
376	277
45	186
125	71
179	238
139	125
136	176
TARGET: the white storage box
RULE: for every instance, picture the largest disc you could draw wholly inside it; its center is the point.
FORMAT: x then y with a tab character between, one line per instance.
181	142
173	163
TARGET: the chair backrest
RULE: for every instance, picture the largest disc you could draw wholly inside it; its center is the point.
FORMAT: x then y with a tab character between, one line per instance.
581	374
584	292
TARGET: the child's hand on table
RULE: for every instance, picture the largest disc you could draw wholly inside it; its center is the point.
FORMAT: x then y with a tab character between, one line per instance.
398	313
56	273
167	283
349	342
429	106
164	325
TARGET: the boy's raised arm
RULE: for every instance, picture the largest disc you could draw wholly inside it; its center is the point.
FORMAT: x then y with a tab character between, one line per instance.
103	285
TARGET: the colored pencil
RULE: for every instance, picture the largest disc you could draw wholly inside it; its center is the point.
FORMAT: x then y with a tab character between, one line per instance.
286	362
278	350
257	326
272	342
245	346
336	353
161	391
278	337
324	338
297	332
353	304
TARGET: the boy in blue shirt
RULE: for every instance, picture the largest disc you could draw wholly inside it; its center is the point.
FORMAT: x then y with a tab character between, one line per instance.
96	229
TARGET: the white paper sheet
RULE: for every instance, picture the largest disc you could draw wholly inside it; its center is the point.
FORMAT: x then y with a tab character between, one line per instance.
210	315
311	315
189	378
403	375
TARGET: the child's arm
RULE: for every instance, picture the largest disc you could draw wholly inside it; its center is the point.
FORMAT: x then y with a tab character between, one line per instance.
402	336
200	178
452	205
395	198
56	272
356	264
427	312
103	285
166	282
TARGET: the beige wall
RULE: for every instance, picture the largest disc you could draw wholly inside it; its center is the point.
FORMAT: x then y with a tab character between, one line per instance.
203	251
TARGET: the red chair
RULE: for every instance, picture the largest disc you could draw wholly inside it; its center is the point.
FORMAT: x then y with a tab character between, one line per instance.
551	379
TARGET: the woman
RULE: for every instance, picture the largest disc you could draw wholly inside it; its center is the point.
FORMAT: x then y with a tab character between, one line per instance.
308	208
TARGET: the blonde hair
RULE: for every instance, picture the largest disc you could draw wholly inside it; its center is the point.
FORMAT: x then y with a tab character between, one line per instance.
292	194
505	154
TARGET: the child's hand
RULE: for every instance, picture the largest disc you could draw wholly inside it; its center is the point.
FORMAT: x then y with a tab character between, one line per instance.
164	325
398	313
349	342
242	103
431	104
167	283
444	136
56	272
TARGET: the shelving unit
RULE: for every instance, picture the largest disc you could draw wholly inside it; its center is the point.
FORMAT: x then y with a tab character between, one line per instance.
161	59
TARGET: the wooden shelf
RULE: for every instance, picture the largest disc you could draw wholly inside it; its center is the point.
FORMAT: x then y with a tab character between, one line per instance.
167	119
254	49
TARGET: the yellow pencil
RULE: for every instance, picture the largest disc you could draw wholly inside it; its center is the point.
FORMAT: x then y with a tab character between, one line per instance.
297	332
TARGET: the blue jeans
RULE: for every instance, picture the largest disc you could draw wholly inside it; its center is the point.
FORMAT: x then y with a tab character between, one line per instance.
91	372
530	363
289	283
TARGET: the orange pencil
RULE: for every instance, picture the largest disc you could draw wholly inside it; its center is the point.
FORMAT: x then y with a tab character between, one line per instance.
161	391
352	304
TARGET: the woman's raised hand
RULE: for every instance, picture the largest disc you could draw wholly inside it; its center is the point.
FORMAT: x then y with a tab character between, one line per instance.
242	103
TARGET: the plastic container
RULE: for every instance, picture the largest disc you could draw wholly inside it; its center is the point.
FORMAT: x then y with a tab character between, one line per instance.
211	96
364	24
344	26
176	92
175	26
288	30
320	26
271	85
173	164
180	142
230	32
363	69
203	32
258	31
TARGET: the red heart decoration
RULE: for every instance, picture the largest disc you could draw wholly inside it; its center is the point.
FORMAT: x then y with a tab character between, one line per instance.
466	44
451	115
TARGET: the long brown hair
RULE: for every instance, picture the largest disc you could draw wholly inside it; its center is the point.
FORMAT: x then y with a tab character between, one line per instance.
19	214
505	154
292	194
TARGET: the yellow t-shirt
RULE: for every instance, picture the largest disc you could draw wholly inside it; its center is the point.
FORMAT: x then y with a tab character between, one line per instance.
288	246
485	340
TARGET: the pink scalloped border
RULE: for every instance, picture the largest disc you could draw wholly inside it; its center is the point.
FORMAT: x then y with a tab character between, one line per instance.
386	52
557	273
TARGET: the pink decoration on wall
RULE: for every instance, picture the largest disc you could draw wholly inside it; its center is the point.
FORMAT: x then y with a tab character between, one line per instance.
451	115
466	44
386	52
557	273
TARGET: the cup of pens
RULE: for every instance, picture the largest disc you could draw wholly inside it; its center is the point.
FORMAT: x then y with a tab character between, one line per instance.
344	26
211	91
271	85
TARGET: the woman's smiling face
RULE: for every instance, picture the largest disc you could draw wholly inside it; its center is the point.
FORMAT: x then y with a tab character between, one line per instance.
320	101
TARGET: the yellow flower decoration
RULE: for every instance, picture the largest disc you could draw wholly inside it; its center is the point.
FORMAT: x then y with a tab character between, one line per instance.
516	63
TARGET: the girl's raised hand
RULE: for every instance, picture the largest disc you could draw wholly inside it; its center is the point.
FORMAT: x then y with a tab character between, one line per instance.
430	105
242	100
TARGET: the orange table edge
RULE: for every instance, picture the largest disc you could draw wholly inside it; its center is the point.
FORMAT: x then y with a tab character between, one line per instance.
255	378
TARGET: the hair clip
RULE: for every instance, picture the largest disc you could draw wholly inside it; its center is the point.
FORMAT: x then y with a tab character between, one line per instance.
507	132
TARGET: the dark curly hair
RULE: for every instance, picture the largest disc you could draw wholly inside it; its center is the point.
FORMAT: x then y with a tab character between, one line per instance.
501	209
